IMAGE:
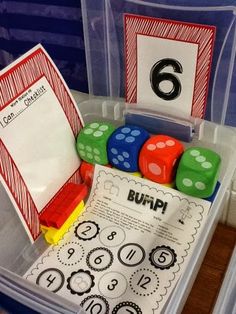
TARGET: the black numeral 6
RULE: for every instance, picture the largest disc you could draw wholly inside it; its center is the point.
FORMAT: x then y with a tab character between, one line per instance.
156	77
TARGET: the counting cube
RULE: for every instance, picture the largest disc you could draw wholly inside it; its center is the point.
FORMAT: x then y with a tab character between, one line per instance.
63	204
92	142
198	172
124	146
158	158
86	171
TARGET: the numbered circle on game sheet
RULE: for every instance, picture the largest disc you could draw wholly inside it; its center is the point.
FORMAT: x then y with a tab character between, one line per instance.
80	282
144	282
70	253
95	304
127	308
99	259
87	230
131	254
51	279
112	236
112	285
163	257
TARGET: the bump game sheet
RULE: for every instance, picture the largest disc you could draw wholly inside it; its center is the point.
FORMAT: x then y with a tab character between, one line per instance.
127	250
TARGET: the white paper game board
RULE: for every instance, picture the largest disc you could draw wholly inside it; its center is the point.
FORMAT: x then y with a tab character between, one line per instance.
127	250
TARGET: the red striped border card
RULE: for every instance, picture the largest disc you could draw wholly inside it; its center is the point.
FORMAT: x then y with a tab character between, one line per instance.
168	63
39	122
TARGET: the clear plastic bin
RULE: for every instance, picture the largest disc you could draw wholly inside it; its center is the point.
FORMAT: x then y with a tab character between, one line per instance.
17	254
226	302
104	43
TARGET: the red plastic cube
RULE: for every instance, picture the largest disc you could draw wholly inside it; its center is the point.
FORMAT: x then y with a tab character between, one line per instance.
60	208
158	158
86	172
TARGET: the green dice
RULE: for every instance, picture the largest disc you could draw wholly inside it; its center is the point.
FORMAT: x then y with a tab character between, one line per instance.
198	172
92	142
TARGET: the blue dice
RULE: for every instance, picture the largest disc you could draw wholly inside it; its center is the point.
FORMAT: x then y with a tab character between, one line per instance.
124	145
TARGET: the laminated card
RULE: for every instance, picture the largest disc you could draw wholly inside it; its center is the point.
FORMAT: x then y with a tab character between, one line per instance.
168	63
127	250
38	124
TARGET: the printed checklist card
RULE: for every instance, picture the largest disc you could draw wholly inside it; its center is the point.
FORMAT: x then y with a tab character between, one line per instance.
39	121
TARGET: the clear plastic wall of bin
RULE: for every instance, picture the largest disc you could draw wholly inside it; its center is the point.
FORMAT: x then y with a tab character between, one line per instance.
104	42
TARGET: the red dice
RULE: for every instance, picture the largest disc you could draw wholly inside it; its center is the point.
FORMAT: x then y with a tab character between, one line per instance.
158	158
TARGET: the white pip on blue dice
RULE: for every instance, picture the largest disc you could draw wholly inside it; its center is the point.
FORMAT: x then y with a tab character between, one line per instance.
124	145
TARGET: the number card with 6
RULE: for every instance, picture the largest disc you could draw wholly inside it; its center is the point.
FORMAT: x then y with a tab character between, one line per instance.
168	63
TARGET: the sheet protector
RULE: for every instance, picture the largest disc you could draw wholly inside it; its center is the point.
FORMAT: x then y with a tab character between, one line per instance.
127	250
39	121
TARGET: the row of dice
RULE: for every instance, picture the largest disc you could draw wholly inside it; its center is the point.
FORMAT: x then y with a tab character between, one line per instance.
160	158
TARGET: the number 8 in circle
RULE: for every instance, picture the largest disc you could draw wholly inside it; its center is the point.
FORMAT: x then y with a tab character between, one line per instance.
156	77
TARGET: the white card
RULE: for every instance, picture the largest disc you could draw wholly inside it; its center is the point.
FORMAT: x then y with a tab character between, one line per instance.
127	250
39	121
168	63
